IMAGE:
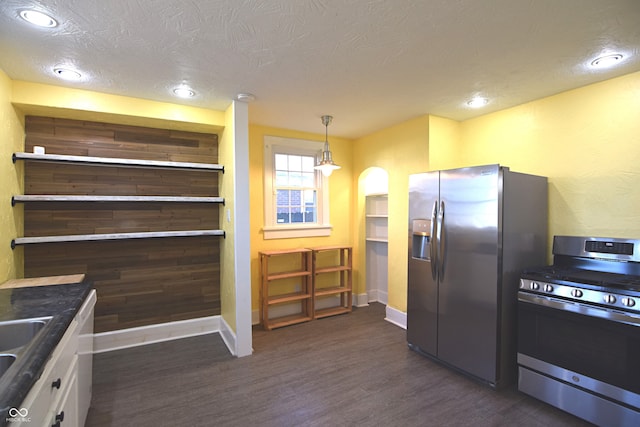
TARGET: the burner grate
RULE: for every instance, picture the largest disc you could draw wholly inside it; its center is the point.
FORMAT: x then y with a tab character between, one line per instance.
581	276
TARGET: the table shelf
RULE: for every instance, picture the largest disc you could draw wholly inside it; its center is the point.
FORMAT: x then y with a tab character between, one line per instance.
280	322
336	290
269	279
283	298
333	263
332	311
339	271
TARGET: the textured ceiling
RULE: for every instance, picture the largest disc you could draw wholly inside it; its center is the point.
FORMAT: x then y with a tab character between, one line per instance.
369	63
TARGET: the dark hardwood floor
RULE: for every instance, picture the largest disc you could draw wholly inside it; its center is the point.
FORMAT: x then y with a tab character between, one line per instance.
348	370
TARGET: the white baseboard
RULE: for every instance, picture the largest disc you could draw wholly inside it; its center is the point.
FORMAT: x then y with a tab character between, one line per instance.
397	317
133	337
360	300
378	295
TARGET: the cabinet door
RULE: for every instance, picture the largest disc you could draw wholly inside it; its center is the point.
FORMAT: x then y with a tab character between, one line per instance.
85	356
47	393
34	409
65	413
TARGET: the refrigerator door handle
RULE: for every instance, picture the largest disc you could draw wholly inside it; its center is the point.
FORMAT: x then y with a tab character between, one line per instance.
433	254
441	241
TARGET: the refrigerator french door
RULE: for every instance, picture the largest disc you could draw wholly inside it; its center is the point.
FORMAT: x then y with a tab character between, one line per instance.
471	232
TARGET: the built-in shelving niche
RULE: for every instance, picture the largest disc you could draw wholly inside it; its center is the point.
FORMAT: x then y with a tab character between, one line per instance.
377	251
135	209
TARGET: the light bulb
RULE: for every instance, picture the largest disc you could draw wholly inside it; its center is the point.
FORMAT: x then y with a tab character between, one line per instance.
607	61
478	102
184	92
67	73
38	18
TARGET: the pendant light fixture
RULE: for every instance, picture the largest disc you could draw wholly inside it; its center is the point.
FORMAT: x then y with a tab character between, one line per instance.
325	162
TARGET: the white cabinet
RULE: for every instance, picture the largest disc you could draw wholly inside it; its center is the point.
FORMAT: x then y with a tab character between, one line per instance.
65	409
85	356
47	394
62	395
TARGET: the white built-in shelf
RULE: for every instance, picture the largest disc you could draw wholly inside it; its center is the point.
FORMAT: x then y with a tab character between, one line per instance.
113	236
109	161
83	198
377	218
376	239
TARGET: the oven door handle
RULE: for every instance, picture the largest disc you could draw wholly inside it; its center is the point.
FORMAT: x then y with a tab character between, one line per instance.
579	308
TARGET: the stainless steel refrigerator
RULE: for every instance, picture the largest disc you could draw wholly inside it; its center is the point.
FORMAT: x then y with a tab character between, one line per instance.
471	232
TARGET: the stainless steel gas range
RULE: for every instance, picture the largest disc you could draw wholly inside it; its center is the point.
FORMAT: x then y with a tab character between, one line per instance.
579	330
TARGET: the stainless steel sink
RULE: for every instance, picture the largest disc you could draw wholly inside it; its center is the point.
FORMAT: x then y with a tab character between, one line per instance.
18	333
6	360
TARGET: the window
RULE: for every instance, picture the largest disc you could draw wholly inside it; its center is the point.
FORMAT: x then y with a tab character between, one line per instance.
296	195
295	189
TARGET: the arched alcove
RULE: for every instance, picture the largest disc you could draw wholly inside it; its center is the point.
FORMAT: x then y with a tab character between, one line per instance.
375	181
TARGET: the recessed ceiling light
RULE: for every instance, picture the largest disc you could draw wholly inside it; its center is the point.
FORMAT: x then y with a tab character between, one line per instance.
607	61
184	92
246	97
67	73
477	102
38	18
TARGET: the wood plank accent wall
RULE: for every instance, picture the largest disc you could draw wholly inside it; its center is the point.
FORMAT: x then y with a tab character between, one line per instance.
139	282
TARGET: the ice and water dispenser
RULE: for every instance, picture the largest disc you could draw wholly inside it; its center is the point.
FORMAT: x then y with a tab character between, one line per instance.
421	235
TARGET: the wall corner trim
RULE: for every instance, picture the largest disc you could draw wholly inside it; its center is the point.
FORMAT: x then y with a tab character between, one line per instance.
228	336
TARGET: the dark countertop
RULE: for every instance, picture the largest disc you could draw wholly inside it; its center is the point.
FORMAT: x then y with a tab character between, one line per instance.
62	302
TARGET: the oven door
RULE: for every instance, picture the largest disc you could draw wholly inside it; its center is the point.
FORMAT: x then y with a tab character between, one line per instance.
588	347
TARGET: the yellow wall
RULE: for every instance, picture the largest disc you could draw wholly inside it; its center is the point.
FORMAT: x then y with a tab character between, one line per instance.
445	143
227	257
340	202
401	150
11	182
77	104
587	141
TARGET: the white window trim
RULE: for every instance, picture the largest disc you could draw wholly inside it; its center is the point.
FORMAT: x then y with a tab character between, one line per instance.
271	229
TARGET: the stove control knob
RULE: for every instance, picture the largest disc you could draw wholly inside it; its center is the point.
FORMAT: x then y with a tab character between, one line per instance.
548	288
534	286
577	293
629	302
609	299
521	284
